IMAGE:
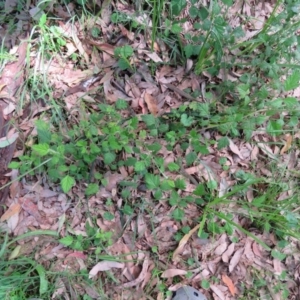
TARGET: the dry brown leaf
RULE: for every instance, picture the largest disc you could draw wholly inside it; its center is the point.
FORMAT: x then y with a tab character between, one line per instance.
153	56
112	180
13	209
151	103
287	145
218	292
235	149
227	254
235	259
140	278
183	242
31	208
221	248
105	266
229	284
172	273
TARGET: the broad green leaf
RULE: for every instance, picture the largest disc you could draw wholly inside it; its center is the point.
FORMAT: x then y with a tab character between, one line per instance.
14	165
274	127
203	13
66	183
109	158
193	12
67	240
139	166
126	51
188	50
292	81
185	120
149	120
108	216
123	64
92	189
227	2
41	149
121	104
200	190
223	142
278	255
152	181
173	167
180	184
176	28
178	214
190	158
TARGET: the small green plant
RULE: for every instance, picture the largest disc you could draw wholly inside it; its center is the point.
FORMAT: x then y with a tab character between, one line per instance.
123	54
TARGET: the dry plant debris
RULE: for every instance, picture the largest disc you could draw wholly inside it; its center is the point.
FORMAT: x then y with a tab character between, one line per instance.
94	71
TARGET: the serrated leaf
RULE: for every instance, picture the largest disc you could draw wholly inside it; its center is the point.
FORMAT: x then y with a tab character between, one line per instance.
123	64
176	28
178	214
41	149
14	165
92	189
121	104
67	240
148	119
185	120
66	183
139	166
278	255
152	181
223	142
190	158
109	158
173	167
292	81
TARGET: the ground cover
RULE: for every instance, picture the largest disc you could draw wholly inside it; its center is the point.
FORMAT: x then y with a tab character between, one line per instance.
148	145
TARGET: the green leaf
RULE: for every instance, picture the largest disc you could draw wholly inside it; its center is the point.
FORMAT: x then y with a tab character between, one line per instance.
139	166
92	189
185	120
205	284
200	190
14	165
126	51
176	28
67	240
188	50
292	81
190	158
41	149
121	104
43	280
149	120
152	181
173	167
203	13
109	158
193	12
178	214
66	183
275	127
227	2
127	210
108	216
290	102
43	20
180	184
223	142
123	64
243	90
278	255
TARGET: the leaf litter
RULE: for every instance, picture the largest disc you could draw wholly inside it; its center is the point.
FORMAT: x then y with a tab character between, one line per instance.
41	208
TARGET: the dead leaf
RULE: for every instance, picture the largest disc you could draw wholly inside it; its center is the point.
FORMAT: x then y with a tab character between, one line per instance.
229	284
235	149
112	180
218	292
105	266
183	242
235	259
153	56
152	104
172	273
287	145
140	277
13	209
31	208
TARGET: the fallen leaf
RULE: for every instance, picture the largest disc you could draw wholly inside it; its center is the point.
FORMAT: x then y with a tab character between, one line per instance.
104	266
229	284
235	259
13	209
140	277
183	242
153	56
151	103
235	149
172	273
31	208
287	145
218	292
